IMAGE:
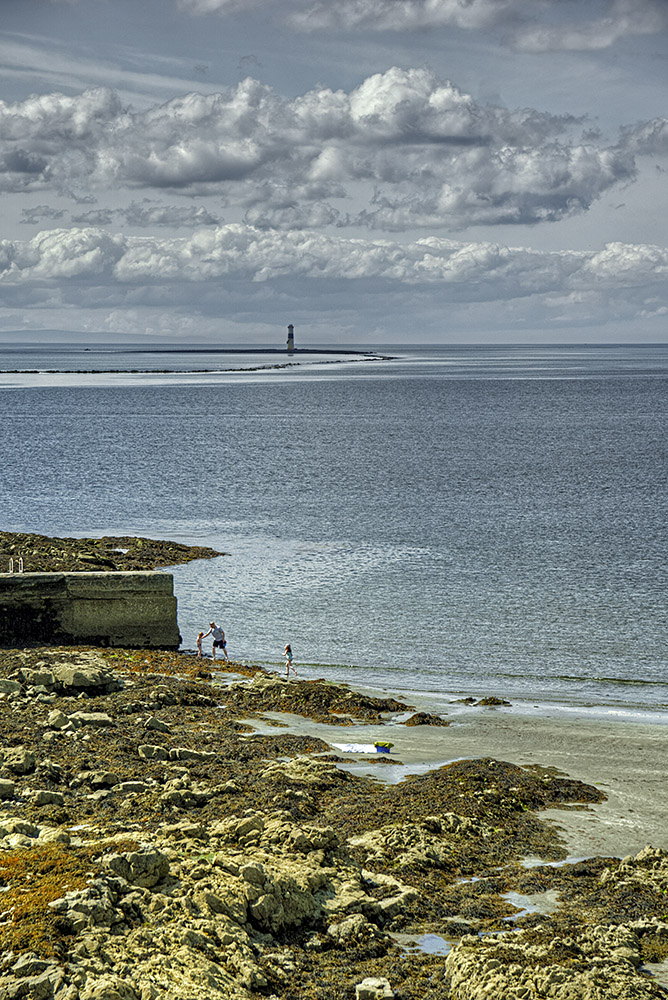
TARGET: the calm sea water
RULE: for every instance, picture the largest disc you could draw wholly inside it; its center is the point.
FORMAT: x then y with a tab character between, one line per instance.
458	521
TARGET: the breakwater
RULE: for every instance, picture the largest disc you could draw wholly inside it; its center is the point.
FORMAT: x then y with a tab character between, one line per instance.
135	609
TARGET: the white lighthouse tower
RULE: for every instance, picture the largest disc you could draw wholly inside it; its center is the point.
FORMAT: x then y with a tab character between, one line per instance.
291	338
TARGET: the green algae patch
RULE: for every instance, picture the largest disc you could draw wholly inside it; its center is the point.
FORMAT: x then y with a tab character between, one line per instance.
32	878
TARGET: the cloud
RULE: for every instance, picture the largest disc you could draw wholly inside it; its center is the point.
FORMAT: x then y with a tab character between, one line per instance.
60	254
39	213
218	6
546	25
242	252
404	15
149	214
626	265
621	19
245	278
146	214
404	149
543	26
94	217
647	138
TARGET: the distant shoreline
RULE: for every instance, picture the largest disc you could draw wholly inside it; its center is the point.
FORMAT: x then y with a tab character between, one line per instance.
354	355
254	350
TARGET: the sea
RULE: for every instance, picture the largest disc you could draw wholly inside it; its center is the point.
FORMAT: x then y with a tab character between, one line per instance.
430	522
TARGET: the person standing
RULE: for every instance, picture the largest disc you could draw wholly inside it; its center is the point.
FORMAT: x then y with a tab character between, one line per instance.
199	643
288	661
218	640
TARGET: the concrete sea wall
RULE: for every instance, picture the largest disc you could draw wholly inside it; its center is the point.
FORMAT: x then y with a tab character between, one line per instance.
104	609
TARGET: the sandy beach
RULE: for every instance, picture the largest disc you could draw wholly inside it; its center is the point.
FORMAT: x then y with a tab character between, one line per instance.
626	760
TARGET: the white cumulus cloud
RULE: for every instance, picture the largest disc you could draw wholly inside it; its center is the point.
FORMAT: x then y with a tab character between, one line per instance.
246	277
403	149
241	251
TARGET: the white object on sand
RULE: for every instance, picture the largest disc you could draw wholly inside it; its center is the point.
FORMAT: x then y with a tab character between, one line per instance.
359	748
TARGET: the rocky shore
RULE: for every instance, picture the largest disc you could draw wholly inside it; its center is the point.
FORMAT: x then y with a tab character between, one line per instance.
42	554
152	845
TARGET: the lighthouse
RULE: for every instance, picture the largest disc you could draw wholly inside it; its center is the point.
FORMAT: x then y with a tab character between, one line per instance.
291	338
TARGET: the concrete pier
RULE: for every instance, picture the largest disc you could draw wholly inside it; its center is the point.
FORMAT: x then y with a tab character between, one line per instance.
137	610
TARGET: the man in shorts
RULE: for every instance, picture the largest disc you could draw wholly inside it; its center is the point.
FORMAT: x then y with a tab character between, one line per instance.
218	639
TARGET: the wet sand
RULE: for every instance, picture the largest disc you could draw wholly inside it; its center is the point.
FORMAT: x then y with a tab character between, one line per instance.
626	760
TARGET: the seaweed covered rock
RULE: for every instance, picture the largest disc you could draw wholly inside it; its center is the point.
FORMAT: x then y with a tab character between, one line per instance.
429	844
571	957
425	719
41	553
319	700
186	857
600	963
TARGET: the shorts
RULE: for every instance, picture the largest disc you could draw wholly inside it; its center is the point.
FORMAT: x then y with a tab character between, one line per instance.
219	644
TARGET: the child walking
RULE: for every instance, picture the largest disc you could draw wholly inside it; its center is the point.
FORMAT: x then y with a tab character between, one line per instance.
199	643
288	661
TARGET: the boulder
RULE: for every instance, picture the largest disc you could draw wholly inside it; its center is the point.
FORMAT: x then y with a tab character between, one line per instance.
14	824
29	965
108	988
157	725
94	906
373	988
144	868
283	897
283	834
424	719
353	929
253	873
97	720
302	769
427	845
38	678
18	760
127	787
52	835
9	687
603	965
57	719
38	987
6	789
100	779
91	678
197	756
44	797
149	751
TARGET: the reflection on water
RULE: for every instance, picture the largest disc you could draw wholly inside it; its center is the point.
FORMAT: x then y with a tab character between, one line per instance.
537	902
428	944
390	774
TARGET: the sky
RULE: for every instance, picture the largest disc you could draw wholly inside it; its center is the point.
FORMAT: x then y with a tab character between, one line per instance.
371	171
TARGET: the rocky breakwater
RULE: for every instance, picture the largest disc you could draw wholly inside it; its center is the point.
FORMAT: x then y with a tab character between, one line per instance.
101	591
42	554
153	846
